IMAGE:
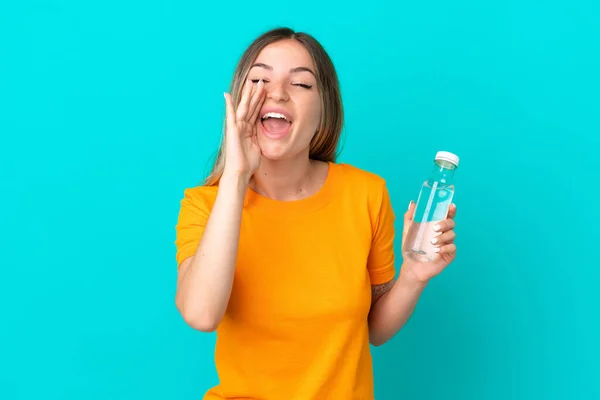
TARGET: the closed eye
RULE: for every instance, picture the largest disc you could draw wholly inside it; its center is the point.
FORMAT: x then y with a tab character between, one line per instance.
304	85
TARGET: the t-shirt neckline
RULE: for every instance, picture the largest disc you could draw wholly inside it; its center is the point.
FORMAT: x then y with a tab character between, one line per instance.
319	199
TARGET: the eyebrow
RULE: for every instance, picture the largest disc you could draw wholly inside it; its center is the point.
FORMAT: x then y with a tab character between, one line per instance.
293	70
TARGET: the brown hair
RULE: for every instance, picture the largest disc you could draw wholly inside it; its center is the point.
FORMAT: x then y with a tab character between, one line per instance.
324	144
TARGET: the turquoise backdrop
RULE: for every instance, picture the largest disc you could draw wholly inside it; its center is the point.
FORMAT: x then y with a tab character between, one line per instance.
110	109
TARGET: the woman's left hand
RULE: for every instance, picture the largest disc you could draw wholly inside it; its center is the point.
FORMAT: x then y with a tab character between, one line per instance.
444	244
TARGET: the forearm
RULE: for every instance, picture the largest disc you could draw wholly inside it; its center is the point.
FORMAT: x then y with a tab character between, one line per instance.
391	311
205	287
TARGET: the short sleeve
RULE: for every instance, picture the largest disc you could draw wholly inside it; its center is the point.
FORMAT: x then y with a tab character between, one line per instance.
193	216
381	258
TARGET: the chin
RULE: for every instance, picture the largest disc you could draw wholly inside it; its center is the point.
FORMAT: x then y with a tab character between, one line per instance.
283	148
274	149
274	152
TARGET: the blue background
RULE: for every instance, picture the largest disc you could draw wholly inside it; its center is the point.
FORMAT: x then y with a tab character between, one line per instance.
108	110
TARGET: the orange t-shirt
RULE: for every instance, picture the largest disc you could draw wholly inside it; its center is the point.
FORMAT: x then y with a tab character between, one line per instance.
296	324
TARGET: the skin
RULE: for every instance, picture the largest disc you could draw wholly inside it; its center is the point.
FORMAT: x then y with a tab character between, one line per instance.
281	169
394	302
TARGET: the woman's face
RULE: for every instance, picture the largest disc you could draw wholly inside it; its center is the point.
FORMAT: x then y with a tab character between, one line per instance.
291	112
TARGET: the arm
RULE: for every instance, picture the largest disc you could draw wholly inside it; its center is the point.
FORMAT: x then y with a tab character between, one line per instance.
392	305
205	280
393	302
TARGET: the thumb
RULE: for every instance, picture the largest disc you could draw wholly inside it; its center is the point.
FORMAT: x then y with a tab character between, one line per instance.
229	111
408	217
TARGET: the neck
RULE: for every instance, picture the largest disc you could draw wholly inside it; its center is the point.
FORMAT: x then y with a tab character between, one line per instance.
291	179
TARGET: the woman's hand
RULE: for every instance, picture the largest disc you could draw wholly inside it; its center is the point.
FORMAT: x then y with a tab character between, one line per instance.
444	244
242	153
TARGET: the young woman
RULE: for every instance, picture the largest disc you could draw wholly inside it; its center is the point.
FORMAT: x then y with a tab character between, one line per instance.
287	254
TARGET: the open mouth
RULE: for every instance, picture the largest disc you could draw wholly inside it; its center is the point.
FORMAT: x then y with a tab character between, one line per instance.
276	124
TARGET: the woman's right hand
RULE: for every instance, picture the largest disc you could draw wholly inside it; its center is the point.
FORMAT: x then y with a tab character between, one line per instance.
242	152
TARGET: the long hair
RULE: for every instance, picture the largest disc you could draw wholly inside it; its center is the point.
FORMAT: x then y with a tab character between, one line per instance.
324	144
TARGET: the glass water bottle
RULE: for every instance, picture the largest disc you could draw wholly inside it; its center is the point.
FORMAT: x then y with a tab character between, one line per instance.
432	207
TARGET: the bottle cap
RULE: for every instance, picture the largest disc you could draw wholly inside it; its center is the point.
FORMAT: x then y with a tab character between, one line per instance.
447	156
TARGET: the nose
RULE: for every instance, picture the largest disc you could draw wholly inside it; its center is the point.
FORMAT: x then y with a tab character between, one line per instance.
277	91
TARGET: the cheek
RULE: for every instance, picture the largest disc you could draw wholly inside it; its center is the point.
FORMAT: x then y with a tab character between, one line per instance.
312	115
317	115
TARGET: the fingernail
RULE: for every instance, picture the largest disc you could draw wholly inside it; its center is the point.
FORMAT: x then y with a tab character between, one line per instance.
434	241
436	250
410	204
437	227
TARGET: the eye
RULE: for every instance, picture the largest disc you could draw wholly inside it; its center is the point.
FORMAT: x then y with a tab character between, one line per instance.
304	85
256	80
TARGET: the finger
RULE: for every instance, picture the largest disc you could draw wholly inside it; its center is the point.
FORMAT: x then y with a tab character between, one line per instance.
444	225
408	217
229	109
243	105
444	238
254	137
449	249
452	211
256	102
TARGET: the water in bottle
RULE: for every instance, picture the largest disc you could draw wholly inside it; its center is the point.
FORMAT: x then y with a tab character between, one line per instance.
432	207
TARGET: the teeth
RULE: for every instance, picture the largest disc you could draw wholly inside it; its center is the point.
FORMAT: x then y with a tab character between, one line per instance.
274	115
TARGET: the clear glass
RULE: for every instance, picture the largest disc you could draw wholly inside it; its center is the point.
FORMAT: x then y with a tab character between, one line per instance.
432	207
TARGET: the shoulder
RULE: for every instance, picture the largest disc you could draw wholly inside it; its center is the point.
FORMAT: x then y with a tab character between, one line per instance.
357	176
365	189
362	184
199	197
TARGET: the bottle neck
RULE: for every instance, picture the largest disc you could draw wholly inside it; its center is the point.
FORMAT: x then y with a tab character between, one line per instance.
443	172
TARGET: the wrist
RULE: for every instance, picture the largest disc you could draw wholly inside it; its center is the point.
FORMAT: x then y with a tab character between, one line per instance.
409	278
234	183
237	179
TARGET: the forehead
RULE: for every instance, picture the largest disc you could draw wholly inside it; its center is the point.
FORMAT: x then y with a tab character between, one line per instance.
285	54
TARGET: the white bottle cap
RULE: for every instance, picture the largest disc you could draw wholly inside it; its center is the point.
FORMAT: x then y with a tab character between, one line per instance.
447	156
